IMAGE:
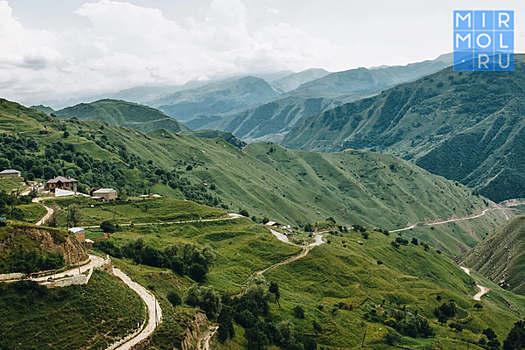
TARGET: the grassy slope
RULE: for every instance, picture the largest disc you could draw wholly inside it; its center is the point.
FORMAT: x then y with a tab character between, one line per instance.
151	210
341	271
76	317
116	112
476	116
362	189
501	257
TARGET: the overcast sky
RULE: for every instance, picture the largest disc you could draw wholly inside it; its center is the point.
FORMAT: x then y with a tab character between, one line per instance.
57	49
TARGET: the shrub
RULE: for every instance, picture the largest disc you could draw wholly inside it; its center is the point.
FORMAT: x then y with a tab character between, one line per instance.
298	312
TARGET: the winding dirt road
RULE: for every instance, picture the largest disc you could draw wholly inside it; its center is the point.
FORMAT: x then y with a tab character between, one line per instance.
154	311
437	223
482	290
49	211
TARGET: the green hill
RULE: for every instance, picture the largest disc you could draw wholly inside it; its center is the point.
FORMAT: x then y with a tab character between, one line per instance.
44	109
136	116
117	112
345	287
92	316
292	187
27	248
501	257
474	116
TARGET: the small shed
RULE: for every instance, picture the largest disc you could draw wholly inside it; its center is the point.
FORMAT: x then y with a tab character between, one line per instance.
10	173
273	223
107	194
79	233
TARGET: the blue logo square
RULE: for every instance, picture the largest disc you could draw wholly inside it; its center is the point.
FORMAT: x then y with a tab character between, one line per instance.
503	40
463	61
463	20
504	61
483	20
483	40
463	40
504	20
483	61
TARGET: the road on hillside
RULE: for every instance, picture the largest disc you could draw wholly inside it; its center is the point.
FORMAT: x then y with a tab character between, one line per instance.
437	223
154	311
482	290
49	211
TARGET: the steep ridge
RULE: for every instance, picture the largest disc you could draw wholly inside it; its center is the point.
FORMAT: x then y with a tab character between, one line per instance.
140	117
501	257
475	116
214	98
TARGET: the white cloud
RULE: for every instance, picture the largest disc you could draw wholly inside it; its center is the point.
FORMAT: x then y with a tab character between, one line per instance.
127	45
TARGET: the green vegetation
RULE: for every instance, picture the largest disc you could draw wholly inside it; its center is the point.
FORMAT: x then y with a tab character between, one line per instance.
132	211
339	287
501	256
91	316
139	117
475	116
27	248
291	187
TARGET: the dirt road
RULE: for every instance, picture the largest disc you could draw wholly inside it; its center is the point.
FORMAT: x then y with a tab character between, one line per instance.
437	223
154	311
48	214
482	290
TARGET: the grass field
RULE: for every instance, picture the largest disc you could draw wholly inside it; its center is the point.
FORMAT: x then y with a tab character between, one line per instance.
76	317
339	271
159	210
33	212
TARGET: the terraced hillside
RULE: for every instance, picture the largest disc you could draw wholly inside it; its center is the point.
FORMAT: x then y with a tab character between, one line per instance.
465	126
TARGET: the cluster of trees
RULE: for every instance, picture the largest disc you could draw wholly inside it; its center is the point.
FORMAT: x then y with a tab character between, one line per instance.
185	259
31	261
61	159
403	322
251	311
8	203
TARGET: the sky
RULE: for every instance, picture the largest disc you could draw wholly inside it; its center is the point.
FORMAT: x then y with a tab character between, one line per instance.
60	49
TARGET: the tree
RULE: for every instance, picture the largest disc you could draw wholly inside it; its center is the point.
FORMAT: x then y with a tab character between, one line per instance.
174	298
414	241
108	227
225	321
317	327
478	306
274	289
298	312
457	326
308	228
244	212
286	330
65	135
265	220
257	339
197	272
516	337
53	219
73	214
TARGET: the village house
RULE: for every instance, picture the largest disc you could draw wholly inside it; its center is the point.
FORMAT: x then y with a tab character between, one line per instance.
105	194
9	173
61	183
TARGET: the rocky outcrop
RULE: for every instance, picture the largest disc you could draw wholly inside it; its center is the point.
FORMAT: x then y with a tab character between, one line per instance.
194	331
43	239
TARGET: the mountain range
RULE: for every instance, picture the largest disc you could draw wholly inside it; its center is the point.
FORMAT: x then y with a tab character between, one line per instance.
466	126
